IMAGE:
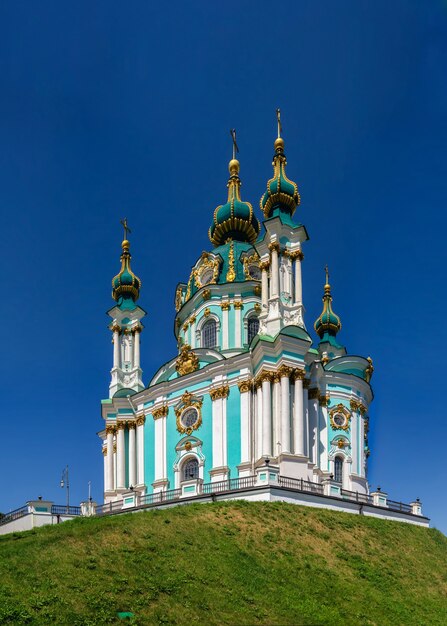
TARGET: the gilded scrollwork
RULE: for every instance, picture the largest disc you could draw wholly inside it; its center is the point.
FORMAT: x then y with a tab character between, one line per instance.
251	261
187	361
340	417
161	411
209	266
219	392
188	401
245	385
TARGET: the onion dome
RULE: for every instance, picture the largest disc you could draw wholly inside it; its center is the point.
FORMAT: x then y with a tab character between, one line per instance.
236	219
281	192
328	324
125	285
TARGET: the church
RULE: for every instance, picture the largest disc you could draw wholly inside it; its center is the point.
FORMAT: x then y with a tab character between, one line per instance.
249	387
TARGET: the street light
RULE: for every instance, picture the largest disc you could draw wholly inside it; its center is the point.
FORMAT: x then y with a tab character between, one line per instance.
66	483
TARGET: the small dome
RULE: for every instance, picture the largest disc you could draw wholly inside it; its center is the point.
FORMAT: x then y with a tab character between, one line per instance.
328	323
281	192
126	285
235	219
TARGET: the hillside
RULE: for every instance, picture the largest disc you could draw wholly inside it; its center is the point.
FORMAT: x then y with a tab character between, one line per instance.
226	563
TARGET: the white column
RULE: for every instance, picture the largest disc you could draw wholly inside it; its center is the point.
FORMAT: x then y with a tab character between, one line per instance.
140	449
237	324
116	346
192	323
274	278
354	442
136	348
104	453
264	284
306	415
266	415
219	398
284	373
225	339
132	455
298	422
298	279
313	425
323	430
160	416
110	483
362	443
245	398
120	457
276	418
259	421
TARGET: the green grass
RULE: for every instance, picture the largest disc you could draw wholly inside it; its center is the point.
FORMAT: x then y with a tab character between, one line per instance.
225	563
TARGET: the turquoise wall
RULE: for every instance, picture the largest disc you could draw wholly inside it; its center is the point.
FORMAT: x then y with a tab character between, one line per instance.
233	431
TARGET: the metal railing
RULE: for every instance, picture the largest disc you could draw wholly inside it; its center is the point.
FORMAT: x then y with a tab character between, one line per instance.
232	484
299	484
13	515
160	496
355	496
398	506
63	509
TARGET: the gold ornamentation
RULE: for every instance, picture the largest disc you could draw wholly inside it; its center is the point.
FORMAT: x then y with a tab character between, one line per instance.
276	378
185	327
187	361
188	290
207	263
206	294
188	445
369	370
161	411
257	308
225	306
264	265
354	404
325	359
114	447
245	385
338	410
231	274
206	312
362	409
121	425
341	443
131	425
264	376
141	418
238	304
110	430
219	392
323	400
187	401
257	290
250	260
284	371
192	319
313	393
178	298
294	254
104	451
299	374
137	329
115	328
178	322
274	245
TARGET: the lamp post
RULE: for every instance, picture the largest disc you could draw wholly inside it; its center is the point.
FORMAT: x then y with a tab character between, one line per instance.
66	483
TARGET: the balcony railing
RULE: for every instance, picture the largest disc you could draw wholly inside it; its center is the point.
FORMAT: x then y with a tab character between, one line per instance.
13	515
61	509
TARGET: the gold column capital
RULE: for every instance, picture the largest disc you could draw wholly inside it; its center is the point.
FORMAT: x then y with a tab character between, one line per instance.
161	411
219	392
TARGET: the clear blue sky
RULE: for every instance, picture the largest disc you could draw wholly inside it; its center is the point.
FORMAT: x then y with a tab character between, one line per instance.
110	109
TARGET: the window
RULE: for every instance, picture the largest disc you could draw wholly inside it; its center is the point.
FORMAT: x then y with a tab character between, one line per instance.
191	469
189	417
209	334
253	328
206	276
338	469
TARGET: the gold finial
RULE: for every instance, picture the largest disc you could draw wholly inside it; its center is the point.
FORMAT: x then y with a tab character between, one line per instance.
326	269
126	230
278	118
234	163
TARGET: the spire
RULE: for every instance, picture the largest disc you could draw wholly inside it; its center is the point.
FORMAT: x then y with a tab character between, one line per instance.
125	285
235	219
328	324
281	192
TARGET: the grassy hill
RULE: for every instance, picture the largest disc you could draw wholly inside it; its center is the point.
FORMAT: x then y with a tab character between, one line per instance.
225	563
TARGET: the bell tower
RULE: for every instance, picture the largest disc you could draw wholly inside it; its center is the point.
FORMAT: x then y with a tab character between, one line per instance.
126	325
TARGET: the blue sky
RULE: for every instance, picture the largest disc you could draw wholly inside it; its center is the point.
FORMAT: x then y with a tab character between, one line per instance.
110	109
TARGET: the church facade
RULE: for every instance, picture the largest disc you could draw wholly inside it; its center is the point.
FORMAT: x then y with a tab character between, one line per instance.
248	388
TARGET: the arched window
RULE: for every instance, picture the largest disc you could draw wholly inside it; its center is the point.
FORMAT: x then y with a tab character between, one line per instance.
190	469
209	334
338	469
253	328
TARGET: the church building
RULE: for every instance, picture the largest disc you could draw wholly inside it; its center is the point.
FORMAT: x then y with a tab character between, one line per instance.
249	388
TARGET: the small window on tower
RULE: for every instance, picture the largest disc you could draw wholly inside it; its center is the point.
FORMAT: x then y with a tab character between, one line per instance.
209	334
338	469
253	328
191	469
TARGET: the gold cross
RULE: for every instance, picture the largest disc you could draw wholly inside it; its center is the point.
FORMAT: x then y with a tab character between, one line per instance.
126	227
235	146
278	118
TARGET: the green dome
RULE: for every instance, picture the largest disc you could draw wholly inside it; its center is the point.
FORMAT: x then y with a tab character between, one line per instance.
235	219
281	192
125	285
328	323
